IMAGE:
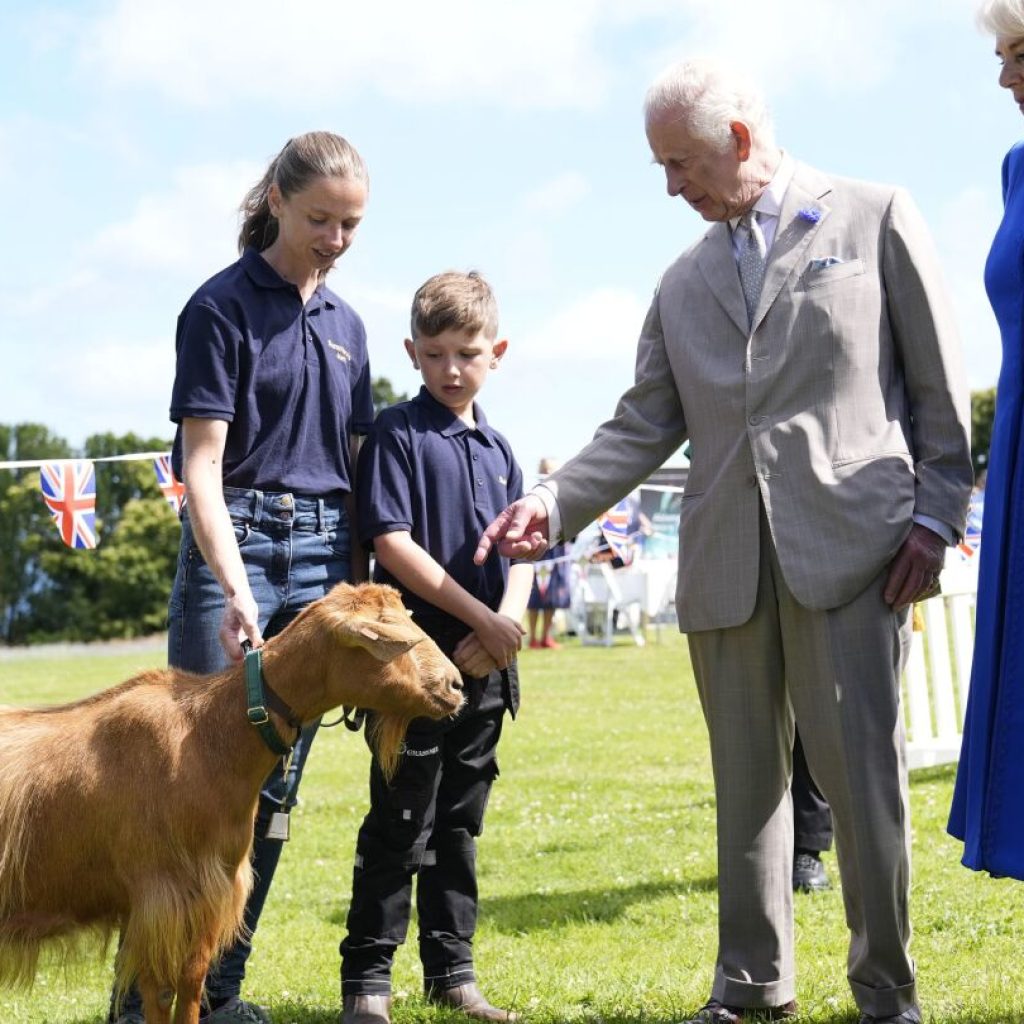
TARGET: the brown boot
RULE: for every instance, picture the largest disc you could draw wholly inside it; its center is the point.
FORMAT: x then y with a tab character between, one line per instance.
470	1001
366	1009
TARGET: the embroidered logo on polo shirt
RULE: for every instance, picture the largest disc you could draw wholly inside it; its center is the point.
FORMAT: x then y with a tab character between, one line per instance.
501	479
339	351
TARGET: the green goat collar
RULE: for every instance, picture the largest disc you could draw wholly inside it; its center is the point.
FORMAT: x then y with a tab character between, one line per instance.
261	699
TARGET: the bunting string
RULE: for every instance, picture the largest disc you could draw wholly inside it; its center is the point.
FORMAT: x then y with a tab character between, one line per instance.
69	490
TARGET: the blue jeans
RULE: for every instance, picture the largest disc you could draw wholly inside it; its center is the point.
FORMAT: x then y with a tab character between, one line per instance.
295	549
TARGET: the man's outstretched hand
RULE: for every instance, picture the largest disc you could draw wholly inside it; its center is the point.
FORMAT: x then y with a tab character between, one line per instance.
520	531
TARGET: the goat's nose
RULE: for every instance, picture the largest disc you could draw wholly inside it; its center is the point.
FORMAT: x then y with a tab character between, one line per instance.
457	682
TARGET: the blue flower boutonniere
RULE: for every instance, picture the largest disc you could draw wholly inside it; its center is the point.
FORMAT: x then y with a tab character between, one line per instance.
811	214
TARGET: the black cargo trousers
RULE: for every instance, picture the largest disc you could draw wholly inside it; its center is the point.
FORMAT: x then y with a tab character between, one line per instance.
426	821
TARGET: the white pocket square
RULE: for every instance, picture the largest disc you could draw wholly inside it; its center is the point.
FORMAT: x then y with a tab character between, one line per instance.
824	261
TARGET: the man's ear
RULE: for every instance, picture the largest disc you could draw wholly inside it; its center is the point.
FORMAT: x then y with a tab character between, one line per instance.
741	139
410	347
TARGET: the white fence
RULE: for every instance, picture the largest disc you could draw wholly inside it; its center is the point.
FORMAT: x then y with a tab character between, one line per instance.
938	669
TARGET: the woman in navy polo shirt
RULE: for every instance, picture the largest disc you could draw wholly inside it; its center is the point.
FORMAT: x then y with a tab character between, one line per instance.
271	389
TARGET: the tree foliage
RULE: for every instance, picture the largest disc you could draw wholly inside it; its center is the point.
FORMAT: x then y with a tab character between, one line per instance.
50	592
384	394
983	411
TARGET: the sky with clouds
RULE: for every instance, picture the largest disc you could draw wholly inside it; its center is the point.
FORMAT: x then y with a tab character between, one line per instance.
503	137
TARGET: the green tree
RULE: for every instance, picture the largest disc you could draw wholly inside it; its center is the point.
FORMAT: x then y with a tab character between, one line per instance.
25	522
48	591
118	483
983	411
384	394
118	590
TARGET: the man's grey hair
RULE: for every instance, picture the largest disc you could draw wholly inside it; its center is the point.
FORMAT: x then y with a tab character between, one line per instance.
1002	17
708	95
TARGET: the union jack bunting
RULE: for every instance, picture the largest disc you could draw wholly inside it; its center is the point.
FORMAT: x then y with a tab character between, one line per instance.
615	527
69	490
173	489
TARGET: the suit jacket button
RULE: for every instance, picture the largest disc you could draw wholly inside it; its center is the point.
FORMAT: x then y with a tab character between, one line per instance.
754	420
752	479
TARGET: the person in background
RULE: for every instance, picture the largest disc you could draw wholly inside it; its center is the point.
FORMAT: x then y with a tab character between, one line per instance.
436	472
271	392
806	348
812	826
986	811
551	585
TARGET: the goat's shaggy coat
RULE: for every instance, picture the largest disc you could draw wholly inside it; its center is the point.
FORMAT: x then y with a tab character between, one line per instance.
134	808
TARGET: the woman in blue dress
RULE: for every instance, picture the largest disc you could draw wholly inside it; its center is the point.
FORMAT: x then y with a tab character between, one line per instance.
988	803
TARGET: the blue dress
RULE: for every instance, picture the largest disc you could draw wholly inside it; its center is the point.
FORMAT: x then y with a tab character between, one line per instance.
988	803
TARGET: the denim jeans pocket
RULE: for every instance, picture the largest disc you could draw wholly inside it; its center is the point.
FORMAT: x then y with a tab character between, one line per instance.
337	539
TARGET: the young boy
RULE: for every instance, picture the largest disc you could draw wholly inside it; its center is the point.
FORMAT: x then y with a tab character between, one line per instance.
433	474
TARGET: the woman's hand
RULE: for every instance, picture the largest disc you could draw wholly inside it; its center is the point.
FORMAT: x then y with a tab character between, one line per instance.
239	622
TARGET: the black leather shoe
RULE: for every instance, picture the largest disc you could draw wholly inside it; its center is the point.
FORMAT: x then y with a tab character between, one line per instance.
470	1001
911	1016
366	1009
809	874
714	1012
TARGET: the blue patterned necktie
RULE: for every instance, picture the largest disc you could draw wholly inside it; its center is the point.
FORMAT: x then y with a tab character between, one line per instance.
752	261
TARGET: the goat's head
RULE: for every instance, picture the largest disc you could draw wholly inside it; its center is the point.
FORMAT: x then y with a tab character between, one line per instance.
376	657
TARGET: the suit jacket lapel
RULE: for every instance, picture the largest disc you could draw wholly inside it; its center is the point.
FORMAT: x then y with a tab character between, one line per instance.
718	267
806	191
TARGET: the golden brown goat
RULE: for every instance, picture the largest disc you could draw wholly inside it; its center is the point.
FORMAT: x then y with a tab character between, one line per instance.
160	776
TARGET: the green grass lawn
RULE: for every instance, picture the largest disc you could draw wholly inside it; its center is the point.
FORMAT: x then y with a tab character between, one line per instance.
597	867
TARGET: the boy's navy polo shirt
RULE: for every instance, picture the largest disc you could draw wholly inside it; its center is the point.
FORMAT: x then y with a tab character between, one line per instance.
423	470
292	381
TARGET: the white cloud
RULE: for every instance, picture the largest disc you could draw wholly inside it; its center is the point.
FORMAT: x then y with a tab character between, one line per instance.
601	325
190	225
116	385
529	54
826	45
557	194
963	230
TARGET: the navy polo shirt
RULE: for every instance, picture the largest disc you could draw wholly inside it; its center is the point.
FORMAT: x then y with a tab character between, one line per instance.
423	470
291	380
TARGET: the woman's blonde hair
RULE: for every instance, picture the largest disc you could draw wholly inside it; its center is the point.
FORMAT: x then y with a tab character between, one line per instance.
1002	17
301	161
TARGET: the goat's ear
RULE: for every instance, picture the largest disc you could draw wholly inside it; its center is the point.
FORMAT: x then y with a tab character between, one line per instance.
384	640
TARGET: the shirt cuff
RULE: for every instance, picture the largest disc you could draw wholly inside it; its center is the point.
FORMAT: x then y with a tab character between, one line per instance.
548	494
944	530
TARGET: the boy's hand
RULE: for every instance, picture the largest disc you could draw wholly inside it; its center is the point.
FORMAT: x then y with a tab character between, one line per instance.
501	638
471	657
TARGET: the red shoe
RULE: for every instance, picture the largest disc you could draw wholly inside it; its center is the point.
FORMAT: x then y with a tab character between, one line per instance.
550	643
535	645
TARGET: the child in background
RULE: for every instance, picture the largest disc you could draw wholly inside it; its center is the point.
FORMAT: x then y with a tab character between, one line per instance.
435	473
551	584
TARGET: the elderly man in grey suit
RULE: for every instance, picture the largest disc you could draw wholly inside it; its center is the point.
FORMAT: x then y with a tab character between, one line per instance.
805	347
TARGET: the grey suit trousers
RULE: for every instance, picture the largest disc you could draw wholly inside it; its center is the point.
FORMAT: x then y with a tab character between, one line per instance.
837	672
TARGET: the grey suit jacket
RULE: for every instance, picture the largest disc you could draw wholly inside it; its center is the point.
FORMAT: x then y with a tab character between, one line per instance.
844	409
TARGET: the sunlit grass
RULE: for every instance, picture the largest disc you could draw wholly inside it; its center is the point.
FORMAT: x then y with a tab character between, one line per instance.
597	867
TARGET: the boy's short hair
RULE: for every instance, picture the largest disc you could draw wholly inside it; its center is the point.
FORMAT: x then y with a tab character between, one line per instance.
454	301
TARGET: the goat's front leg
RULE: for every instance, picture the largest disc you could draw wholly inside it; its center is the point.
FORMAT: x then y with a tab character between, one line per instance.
190	985
156	1000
